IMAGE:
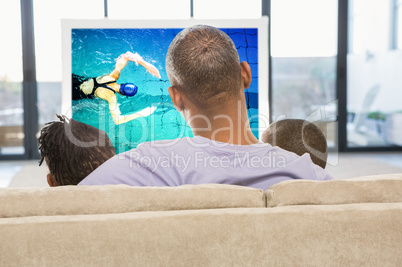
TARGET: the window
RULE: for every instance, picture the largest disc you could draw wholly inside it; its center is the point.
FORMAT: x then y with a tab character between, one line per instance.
398	20
48	48
11	101
304	48
227	9
374	84
150	9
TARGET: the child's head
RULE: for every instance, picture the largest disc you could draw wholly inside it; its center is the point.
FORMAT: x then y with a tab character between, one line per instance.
298	136
72	150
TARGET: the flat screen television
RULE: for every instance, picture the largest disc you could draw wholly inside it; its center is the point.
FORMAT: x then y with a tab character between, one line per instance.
91	47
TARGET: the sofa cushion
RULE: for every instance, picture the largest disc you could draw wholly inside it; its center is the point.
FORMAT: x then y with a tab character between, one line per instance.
72	200
367	234
368	189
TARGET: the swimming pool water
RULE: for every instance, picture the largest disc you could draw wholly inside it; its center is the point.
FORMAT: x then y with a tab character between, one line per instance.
94	52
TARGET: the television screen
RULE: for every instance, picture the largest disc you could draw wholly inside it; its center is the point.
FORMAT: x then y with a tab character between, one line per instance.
133	53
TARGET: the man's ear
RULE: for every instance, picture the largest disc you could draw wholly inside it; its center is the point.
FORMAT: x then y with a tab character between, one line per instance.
51	181
245	74
176	97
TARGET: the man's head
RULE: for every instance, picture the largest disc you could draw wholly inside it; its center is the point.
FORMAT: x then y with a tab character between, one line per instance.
298	136
72	150
203	64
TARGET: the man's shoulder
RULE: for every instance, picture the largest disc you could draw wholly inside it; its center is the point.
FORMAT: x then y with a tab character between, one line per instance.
164	143
187	145
163	146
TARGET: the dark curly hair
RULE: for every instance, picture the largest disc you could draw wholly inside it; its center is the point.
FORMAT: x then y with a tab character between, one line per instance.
73	149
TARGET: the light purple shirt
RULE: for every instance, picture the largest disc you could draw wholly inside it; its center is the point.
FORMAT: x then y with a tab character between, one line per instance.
199	160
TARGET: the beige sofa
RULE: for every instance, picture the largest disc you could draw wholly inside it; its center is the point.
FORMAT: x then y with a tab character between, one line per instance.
356	222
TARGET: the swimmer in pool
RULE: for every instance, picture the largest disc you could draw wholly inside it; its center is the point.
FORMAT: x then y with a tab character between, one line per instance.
106	87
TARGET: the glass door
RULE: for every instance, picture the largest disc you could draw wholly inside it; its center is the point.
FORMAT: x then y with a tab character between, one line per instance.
374	67
11	77
304	50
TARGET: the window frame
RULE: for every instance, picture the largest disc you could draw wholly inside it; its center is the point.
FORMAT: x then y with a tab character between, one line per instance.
397	8
341	78
343	38
29	90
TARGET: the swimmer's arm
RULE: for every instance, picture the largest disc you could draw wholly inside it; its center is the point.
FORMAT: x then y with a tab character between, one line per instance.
139	60
120	64
116	113
111	98
119	119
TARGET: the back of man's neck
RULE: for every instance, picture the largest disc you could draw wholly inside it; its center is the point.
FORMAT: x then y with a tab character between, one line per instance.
227	124
234	139
231	132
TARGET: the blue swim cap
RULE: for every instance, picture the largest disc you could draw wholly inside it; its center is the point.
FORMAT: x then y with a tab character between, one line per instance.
128	89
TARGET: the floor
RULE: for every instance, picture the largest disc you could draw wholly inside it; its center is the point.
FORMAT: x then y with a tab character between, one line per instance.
22	173
349	165
340	166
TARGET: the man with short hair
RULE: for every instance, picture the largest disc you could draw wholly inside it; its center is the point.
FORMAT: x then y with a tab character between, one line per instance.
207	88
72	150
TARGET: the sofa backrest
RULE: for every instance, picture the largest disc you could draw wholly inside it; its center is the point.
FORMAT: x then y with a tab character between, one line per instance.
73	200
369	189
